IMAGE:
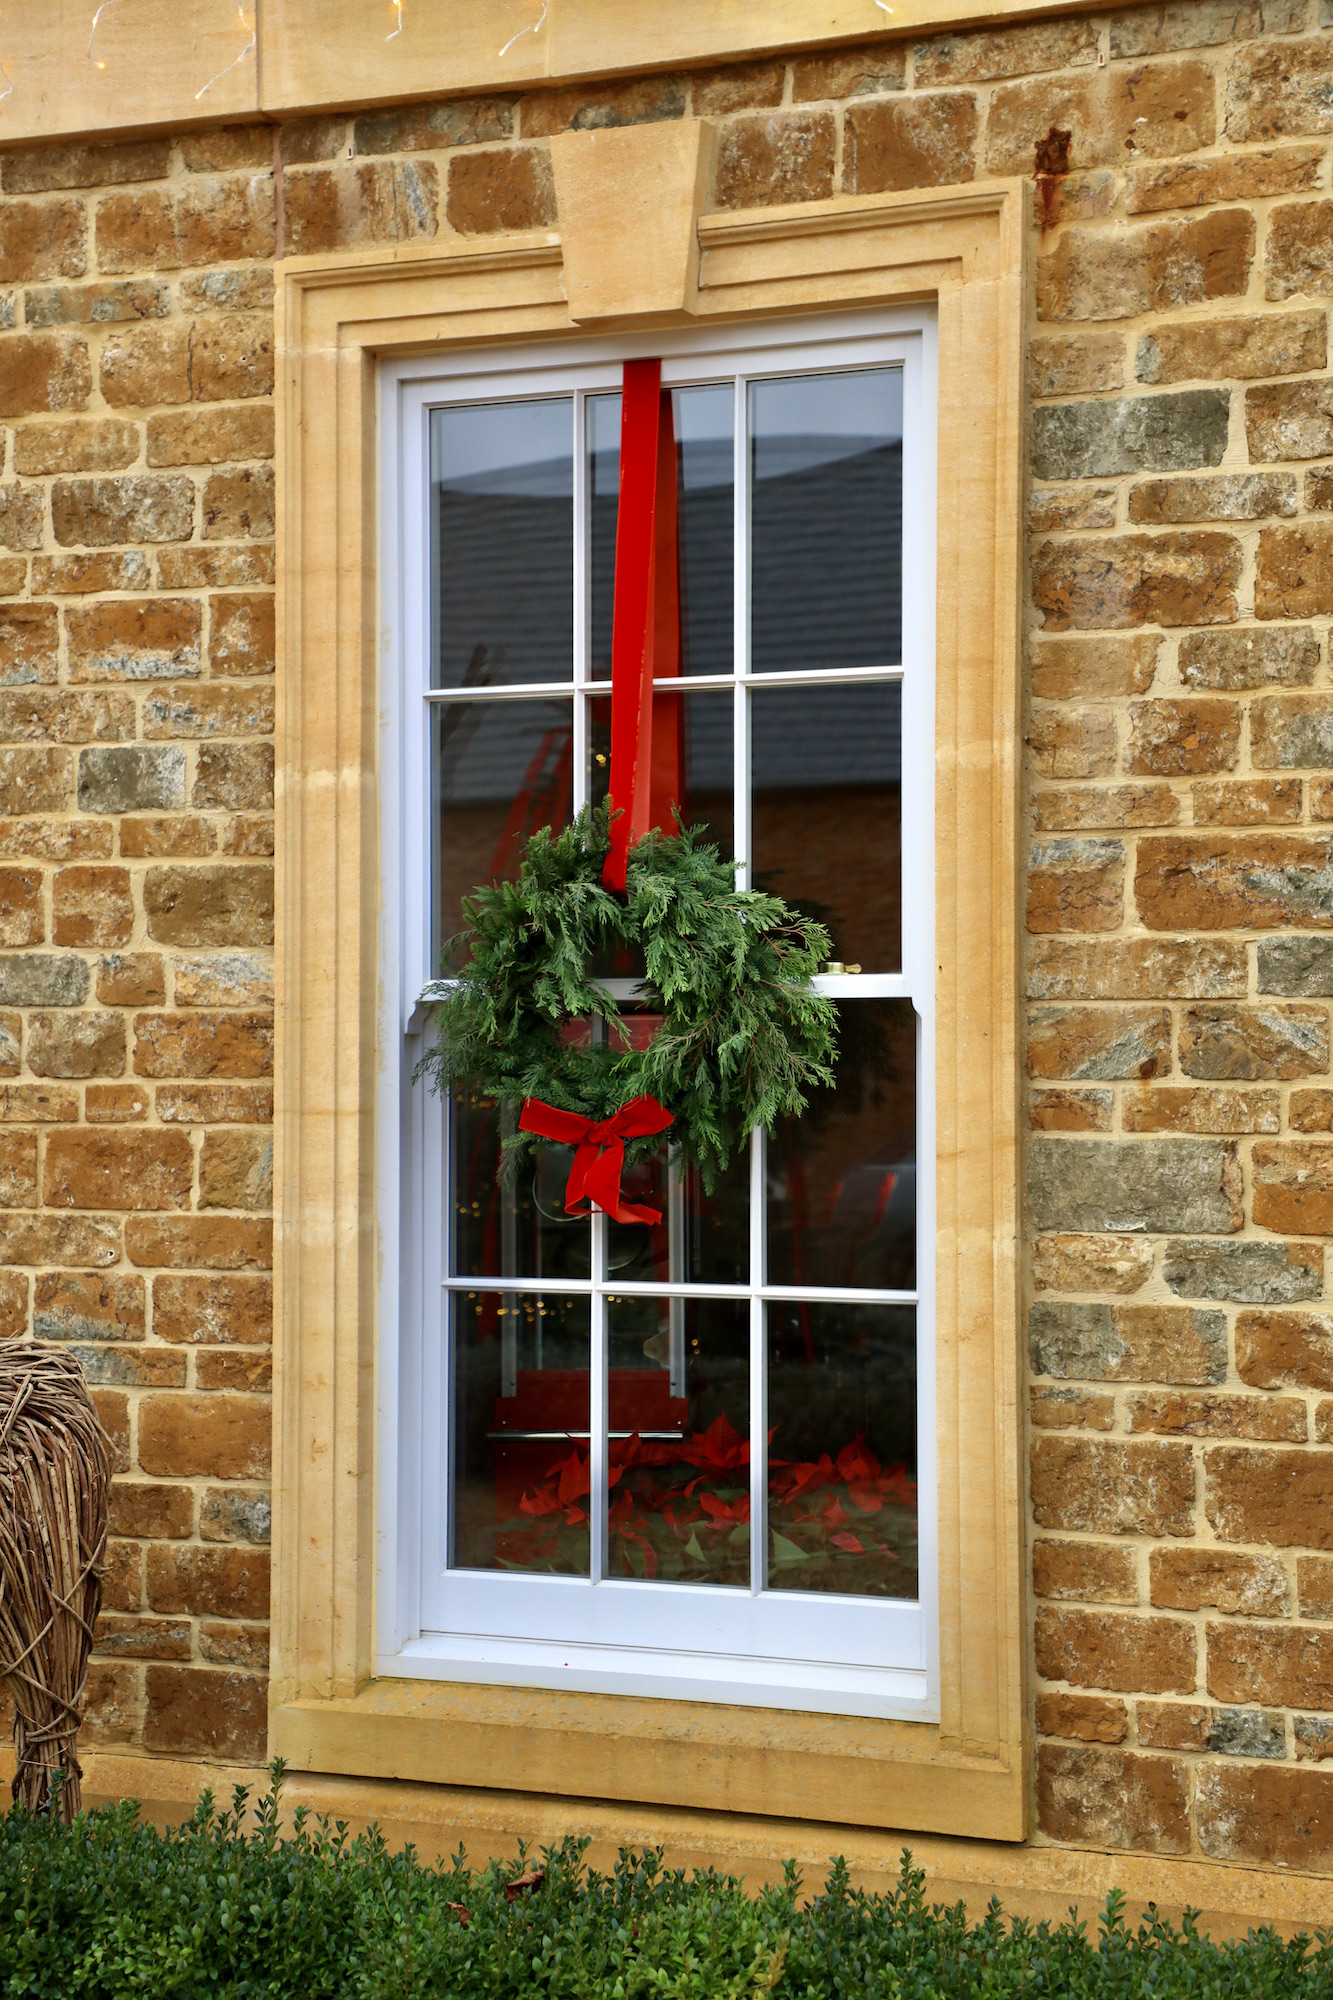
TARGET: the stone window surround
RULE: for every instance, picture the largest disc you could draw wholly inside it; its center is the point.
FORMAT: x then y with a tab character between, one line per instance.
964	249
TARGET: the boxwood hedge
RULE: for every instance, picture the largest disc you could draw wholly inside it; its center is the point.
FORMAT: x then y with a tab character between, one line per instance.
228	1906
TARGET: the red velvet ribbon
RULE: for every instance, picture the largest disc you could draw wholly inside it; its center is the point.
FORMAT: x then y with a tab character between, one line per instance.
600	1159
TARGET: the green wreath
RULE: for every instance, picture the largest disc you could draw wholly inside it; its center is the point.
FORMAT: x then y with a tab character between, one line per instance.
743	1033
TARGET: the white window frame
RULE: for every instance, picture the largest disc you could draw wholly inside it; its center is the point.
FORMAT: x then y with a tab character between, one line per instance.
822	1652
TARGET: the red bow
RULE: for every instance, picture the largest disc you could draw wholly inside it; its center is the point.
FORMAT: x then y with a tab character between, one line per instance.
595	1174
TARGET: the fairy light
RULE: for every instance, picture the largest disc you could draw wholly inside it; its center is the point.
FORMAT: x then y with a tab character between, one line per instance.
398	10
533	28
93	30
9	82
249	27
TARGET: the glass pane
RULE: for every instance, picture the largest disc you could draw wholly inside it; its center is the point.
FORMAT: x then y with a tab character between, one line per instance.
702	1239
692	762
502	542
826	774
603	416
520	1432
679	1397
826	521
842	1449
517	1229
500	769
842	1179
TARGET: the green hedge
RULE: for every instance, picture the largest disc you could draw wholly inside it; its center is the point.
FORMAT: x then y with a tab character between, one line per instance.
225	1906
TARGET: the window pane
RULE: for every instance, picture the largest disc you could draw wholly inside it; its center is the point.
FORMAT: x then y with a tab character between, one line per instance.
826	765
520	1432
692	762
502	542
514	1229
679	1395
842	1179
500	769
603	416
842	1449
702	1239
826	521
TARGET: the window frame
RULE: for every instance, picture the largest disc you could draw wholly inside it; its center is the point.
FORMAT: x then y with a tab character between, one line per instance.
872	1656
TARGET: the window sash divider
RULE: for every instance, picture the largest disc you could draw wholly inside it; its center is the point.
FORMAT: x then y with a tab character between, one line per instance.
651	1288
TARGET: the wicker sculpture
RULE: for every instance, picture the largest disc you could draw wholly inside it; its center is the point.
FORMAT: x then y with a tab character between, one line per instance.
55	1468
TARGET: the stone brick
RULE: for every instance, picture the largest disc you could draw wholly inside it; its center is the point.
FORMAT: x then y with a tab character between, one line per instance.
237	504
1314	1586
1313	1736
29	651
35	1104
226	1515
1310	1110
205	1712
1247	802
43	979
1293	1186
113	1703
1059	509
1090	440
37	714
94	444
1222	1042
1075	743
1188	578
1082	1718
54	840
22	919
1099	1044
1274	1817
1177	1186
131	780
1276	1350
1190	24
1278	89
134	639
18	1169
92	906
1293	731
434	128
1083	808
234	1645
1096	1487
1296	965
119	1637
122	1586
226	148
1233	177
493	191
211	221
205	1242
42	168
385	201
233	776
218	1582
231	357
1245	1273
208	568
227	291
118	1170
1176	738
227	905
1084	197
1108	1798
1289	420
57	1239
22	517
1154	267
912	142
1218	1580
213	1312
1231	496
1075	885
154	1512
116	1104
241	635
131	979
42	239
215	1103
1106	1649
96	305
44	371
1172	1413
228	979
203	1045
1066	364
216	1437
843	73
130	1367
253	834
236	1170
994	53
1212	882
211	436
599	107
1085	1572
1319	489
1295	572
1071	1110
1090	1263
1160	109
1066	1409
1246	1732
1147	1343
781	158
1289	1665
1271	344
1172	1725
146	365
70	1044
1274	1496
234	1373
79	575
1247	659
173	837
11	1031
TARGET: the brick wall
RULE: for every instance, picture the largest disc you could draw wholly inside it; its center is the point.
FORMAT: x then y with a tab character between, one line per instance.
1179	773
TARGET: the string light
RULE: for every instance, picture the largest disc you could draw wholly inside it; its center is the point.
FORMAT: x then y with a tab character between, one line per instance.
9	91
93	30
533	28
249	27
398	10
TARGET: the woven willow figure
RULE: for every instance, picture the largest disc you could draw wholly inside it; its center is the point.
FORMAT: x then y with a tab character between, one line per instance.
55	1468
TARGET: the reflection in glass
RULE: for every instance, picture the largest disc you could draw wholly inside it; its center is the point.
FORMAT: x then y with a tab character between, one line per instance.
702	1239
842	1505
603	420
516	1228
826	776
842	1178
679	1477
520	1402
500	769
692	762
502	542
826	521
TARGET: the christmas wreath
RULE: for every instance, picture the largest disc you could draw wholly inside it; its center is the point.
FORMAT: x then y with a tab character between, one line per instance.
737	1034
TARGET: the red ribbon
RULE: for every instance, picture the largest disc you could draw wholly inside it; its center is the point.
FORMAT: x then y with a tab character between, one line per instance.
600	1159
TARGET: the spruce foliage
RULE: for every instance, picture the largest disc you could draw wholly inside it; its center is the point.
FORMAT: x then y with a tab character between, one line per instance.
743	1035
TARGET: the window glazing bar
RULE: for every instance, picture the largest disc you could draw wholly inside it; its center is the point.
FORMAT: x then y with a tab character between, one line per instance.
652	1288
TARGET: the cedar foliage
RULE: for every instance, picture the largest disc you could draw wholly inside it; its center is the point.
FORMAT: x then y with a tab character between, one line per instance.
743	1037
226	1908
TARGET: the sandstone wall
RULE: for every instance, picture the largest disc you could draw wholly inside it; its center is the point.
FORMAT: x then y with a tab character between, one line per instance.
1179	772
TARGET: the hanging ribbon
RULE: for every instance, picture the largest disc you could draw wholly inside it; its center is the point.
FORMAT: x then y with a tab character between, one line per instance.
645	630
600	1159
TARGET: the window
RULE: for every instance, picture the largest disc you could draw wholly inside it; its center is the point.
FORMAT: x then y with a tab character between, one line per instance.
697	1458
